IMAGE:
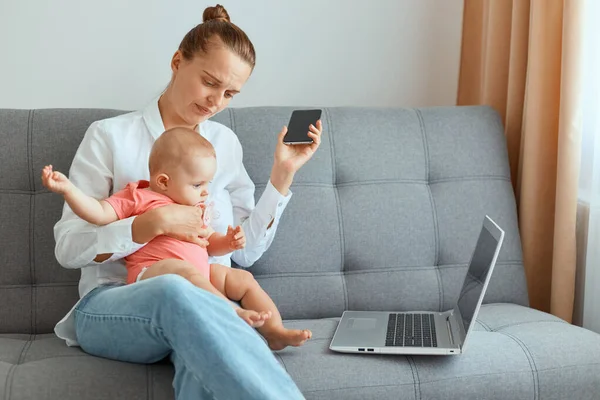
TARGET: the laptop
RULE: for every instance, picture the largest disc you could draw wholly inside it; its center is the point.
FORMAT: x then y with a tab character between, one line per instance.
425	332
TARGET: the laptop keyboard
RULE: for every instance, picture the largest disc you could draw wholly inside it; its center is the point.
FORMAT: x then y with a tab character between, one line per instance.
411	330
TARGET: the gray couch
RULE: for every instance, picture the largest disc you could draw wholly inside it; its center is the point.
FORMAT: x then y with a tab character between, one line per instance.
384	217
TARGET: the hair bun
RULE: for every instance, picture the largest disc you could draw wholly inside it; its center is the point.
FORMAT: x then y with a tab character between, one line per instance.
217	12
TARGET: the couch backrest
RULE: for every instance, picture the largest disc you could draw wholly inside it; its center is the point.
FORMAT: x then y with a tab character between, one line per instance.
384	217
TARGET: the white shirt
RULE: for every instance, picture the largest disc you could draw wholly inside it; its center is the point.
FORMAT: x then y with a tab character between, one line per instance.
114	152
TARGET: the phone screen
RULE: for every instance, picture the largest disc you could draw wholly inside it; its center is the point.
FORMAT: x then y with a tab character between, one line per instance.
298	127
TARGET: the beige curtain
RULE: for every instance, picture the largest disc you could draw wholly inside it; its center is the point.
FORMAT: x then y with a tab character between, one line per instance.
522	58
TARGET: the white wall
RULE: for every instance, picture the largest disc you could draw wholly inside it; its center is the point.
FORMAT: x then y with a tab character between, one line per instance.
116	54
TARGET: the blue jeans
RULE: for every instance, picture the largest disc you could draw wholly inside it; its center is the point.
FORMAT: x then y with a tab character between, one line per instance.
216	355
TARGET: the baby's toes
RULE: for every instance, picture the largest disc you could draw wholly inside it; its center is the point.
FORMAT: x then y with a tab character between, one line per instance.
254	315
257	323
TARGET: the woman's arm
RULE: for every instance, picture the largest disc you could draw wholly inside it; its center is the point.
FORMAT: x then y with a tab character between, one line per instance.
260	222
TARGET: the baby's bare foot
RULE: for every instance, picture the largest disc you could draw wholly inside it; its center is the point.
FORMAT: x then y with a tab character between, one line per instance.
281	337
253	318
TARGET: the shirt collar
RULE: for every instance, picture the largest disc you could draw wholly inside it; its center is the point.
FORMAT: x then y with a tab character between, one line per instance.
152	118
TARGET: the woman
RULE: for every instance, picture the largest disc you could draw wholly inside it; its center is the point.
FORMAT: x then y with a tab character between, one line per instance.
214	352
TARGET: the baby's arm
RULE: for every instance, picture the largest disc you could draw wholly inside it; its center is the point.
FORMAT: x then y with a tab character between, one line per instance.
219	244
98	212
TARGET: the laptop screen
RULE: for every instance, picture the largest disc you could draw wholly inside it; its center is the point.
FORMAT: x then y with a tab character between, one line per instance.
476	276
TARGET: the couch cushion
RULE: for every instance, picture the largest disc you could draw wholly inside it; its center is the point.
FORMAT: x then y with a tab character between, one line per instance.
515	353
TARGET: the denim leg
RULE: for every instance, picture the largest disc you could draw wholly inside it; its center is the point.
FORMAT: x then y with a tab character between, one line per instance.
186	385
146	321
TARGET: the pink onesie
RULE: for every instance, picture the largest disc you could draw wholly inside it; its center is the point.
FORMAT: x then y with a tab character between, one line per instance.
136	199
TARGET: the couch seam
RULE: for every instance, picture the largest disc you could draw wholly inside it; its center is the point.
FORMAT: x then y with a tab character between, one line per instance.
366	271
424	141
486	326
524	371
511	263
32	304
436	230
569	366
13	369
525	323
30	286
331	149
339	208
471	178
26	192
29	149
10	375
436	238
405	181
534	372
8	382
358	387
57	357
25	286
26	348
412	371
417	380
311	274
232	119
282	362
34	287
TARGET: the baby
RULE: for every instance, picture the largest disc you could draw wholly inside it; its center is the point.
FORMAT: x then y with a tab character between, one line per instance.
182	163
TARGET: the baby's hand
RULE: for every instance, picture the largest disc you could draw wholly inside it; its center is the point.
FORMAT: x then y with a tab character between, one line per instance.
237	237
55	181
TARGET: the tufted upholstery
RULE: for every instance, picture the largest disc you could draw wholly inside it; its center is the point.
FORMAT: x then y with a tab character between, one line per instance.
384	217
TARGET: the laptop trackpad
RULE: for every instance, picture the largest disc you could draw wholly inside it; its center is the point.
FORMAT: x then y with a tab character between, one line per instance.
362	324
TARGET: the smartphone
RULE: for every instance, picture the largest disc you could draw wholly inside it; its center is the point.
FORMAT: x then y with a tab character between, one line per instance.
298	127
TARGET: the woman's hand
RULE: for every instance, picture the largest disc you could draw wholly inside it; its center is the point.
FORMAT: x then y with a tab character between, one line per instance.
290	158
175	220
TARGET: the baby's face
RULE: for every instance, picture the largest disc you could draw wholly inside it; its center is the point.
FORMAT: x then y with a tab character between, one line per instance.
189	186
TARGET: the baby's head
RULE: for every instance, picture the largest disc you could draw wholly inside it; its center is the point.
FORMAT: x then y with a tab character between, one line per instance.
182	163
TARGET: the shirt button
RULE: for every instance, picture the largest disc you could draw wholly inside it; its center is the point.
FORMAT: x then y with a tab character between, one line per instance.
279	204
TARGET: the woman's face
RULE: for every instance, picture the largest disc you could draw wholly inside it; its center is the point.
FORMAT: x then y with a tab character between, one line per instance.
205	85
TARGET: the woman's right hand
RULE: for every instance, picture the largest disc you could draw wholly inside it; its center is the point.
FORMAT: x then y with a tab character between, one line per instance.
175	220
